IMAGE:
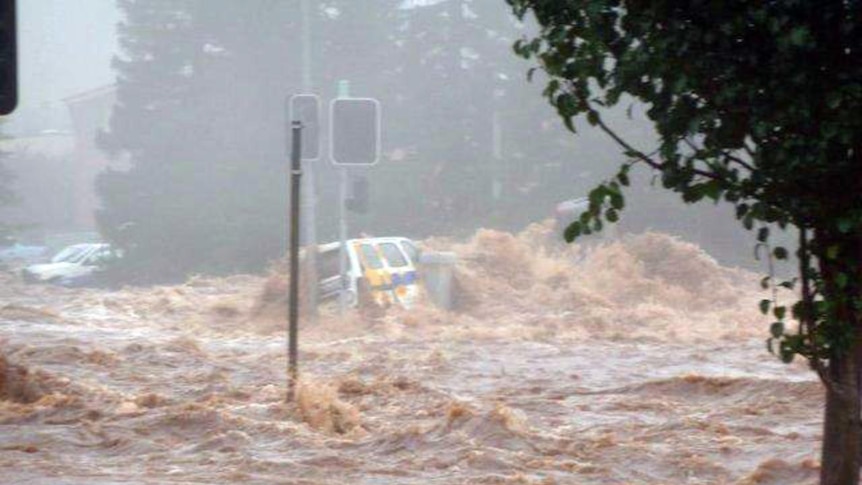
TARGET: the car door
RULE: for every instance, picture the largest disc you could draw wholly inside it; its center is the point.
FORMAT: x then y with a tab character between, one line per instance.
329	272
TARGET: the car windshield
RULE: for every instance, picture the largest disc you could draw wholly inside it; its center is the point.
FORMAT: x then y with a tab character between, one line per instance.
71	254
411	251
100	256
370	259
393	255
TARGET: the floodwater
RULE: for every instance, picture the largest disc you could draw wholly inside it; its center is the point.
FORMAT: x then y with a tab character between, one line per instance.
636	362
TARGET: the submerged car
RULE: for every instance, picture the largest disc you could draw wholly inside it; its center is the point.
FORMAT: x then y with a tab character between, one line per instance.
381	270
75	265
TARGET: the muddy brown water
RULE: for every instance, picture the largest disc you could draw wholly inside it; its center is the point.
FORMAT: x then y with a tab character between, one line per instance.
186	385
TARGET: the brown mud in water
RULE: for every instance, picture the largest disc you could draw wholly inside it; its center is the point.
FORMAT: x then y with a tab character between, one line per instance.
640	361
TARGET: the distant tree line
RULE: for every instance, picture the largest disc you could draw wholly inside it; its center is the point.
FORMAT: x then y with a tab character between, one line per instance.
200	113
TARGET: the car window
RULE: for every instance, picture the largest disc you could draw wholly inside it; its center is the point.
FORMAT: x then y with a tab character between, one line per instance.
100	256
411	251
78	257
70	254
327	264
393	255
370	259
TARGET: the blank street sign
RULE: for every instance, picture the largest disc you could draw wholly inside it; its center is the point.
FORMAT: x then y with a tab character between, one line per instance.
354	131
306	109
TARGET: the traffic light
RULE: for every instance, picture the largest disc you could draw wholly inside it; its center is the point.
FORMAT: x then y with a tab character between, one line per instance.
354	131
8	58
358	201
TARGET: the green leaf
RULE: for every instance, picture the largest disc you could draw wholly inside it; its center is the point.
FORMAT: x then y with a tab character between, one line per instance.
597	196
787	284
572	231
832	252
787	353
763	234
779	312
623	176
764	306
592	117
799	36
845	225
779	253
777	329
611	215
841	280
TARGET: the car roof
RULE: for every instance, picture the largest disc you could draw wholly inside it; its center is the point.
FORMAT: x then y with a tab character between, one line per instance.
366	240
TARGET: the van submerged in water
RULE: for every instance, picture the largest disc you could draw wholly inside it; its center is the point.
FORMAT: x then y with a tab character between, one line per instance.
379	270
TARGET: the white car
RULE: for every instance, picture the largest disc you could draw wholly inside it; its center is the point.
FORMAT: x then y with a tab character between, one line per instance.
74	261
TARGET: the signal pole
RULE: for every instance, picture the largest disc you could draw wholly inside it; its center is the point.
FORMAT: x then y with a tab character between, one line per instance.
343	92
293	296
310	201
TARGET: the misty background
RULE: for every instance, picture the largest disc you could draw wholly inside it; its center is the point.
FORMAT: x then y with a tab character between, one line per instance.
161	125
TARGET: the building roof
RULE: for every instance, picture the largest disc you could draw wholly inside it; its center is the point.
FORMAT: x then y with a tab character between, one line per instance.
88	95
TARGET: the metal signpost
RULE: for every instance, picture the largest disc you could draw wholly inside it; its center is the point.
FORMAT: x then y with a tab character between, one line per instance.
293	297
304	116
354	141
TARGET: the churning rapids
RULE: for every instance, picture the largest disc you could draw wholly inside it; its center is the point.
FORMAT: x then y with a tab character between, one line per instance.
635	362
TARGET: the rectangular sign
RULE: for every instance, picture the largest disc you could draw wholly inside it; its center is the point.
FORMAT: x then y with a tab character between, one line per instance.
354	131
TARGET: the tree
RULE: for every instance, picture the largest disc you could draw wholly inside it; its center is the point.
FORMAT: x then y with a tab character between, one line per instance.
200	115
443	76
756	104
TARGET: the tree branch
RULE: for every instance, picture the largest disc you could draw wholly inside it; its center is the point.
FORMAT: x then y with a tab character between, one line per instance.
726	155
738	160
641	156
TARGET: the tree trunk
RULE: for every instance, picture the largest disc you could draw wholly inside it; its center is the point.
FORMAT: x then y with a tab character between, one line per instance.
842	430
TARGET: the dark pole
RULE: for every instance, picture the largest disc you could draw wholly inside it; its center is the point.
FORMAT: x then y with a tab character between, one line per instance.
293	301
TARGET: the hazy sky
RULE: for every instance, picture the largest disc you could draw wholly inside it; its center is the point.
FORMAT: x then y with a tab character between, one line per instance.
65	47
